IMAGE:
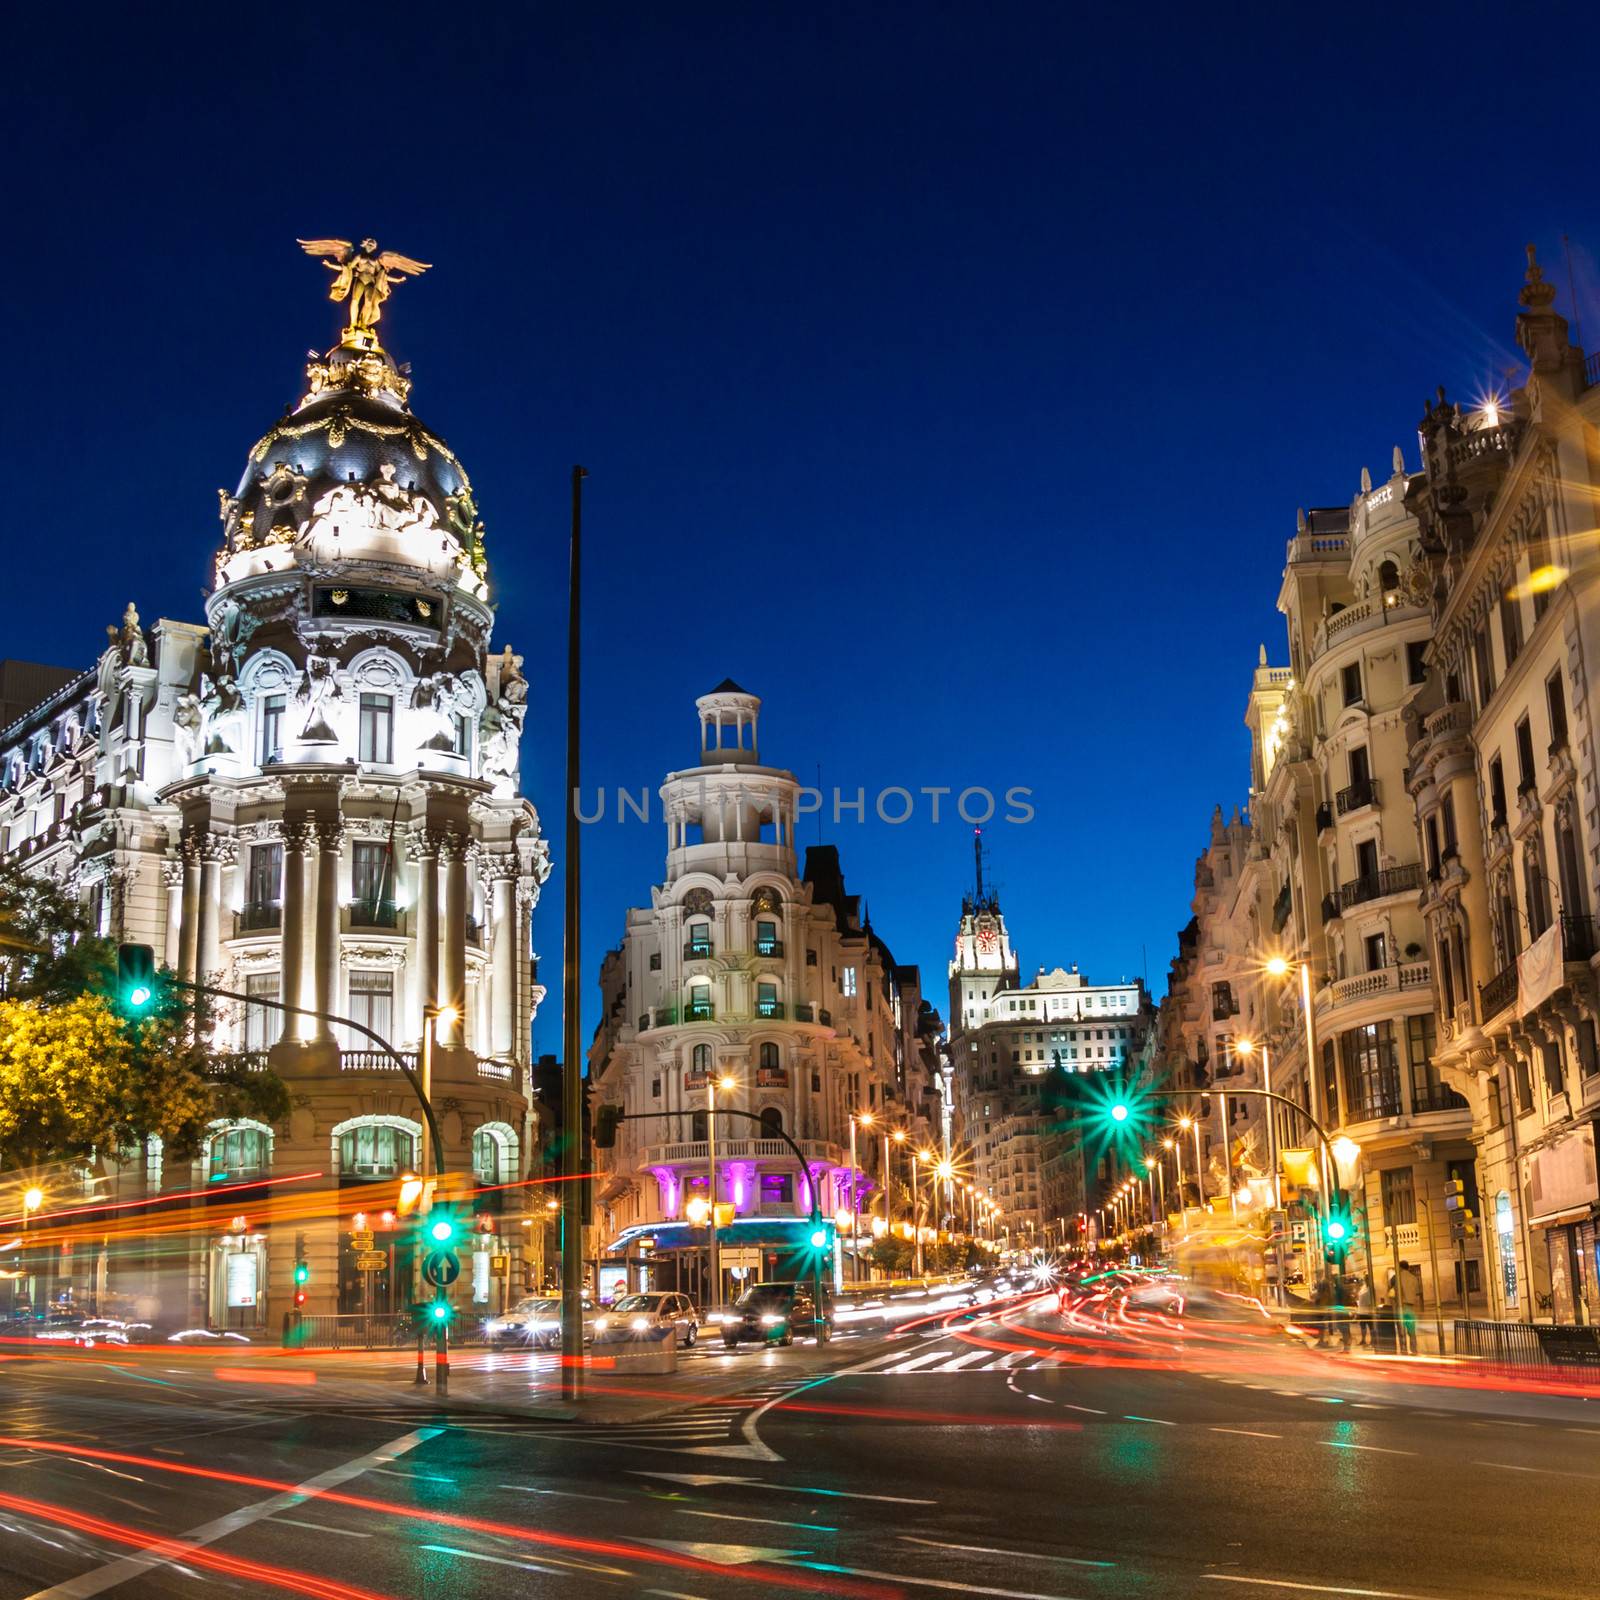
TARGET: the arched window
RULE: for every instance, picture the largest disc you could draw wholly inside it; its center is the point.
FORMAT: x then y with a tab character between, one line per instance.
700	1060
376	1152
239	1153
769	1058
697	940
491	1156
699	1008
1388	577
767	941
771	1121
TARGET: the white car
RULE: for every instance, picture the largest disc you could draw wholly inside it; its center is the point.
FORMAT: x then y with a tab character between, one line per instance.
533	1321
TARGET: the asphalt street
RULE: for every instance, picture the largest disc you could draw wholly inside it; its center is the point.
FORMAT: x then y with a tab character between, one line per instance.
1023	1452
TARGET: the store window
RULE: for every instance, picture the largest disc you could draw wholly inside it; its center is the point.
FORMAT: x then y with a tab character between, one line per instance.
238	1153
376	1152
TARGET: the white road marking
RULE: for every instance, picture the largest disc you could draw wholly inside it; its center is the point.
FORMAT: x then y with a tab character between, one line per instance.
926	1583
962	1361
1249	1433
1093	1411
1128	1416
98	1580
989	1550
564	1494
699	1480
724	1555
760	1522
1319	1588
1554	1472
1344	1444
499	1561
319	1527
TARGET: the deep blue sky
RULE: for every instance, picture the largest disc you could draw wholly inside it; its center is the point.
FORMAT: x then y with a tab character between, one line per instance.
949	375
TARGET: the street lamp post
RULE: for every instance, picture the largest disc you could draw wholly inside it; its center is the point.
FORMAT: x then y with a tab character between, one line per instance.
864	1119
1187	1123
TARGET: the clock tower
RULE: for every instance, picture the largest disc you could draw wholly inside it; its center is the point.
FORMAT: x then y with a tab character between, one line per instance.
984	962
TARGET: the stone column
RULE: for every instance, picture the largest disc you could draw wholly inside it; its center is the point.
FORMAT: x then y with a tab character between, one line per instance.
216	854
453	955
297	841
189	953
503	956
172	875
325	970
424	850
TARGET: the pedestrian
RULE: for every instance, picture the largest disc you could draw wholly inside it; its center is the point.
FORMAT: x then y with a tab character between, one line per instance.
1364	1309
1407	1302
1341	1311
1323	1301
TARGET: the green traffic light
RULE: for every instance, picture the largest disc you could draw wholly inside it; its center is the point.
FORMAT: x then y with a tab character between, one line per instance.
439	1311
1336	1230
442	1231
1120	1112
819	1239
139	996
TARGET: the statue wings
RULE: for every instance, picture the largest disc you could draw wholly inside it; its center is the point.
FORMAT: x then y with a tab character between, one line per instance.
343	252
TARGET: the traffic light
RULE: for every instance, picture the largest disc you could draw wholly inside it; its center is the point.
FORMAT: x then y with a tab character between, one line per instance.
604	1131
1338	1233
136	977
440	1230
302	1269
1462	1223
439	1313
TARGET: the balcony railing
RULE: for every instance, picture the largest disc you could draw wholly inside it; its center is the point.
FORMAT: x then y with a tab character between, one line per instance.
1499	992
1281	907
374	1061
699	1011
257	915
769	1008
374	914
1365	985
1324	816
1380	1099
1330	908
804	1011
1391	880
698	950
237	1061
1577	938
769	947
1357	795
1435	1097
772	1078
696	1080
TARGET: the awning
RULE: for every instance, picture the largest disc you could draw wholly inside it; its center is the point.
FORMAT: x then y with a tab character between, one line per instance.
1555	1219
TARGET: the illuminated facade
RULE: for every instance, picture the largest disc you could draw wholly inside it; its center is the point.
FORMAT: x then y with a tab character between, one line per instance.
313	798
745	968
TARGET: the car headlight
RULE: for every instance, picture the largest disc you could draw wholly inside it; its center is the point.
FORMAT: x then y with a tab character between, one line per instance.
601	1322
639	1324
540	1327
770	1319
495	1326
729	1316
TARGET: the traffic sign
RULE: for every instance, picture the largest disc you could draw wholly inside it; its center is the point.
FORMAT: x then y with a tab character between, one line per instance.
499	1266
361	1239
371	1260
441	1268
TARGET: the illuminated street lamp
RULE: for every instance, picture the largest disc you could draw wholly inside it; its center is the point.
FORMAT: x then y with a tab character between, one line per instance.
727	1083
863	1119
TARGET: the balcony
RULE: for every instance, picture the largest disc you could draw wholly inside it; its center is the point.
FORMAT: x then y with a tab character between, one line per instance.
1380	1098
1357	796
1366	985
699	950
770	1008
658	1017
1392	880
1324	817
1282	907
1319	547
1330	908
374	1061
696	1080
769	947
699	1011
257	916
474	932
772	1078
238	1061
1577	938
1426	1097
804	1011
374	914
1498	993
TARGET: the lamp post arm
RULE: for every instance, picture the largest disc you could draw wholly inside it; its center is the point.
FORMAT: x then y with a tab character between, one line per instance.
1258	1094
343	1022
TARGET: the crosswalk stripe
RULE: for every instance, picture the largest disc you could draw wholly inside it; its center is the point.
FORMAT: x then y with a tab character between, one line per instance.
921	1361
963	1361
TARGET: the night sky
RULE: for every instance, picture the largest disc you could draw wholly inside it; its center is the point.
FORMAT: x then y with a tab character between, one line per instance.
947	375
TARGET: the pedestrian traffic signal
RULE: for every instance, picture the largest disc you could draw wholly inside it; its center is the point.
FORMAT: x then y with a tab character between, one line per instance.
1338	1233
439	1312
136	976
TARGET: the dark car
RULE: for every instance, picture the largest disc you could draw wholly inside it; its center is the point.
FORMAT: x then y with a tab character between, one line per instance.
773	1313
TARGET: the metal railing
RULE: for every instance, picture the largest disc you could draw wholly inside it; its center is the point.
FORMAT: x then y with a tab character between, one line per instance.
699	950
699	1011
1522	1349
1499	992
770	1008
804	1011
769	947
374	914
357	1330
1356	795
257	915
1577	937
374	1061
1374	886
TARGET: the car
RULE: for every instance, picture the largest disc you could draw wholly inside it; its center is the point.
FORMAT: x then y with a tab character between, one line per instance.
637	1316
773	1313
533	1321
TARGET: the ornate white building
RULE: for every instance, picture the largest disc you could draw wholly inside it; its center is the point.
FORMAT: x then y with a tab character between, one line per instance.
742	967
314	799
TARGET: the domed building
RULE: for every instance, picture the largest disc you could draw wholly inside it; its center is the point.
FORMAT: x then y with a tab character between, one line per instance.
315	802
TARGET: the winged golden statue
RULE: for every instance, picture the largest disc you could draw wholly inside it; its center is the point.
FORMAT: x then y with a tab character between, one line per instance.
363	275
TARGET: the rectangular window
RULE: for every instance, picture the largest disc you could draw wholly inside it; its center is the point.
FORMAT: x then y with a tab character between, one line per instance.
1497	792
847	982
1360	769
1447	813
1352	683
371	1002
1483	660
1376	957
271	728
376	736
1416	666
1510	628
1557	702
1399	1198
372	884
1371	1075
262	1025
1429	1092
463	735
266	876
1525	778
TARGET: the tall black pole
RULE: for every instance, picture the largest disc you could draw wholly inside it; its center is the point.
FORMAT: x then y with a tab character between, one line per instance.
572	1152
